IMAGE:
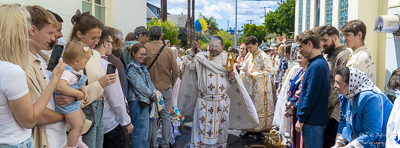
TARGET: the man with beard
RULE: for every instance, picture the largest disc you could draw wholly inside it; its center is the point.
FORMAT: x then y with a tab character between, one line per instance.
211	94
336	55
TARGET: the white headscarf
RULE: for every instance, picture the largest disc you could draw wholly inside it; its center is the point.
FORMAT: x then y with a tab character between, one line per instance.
358	82
293	55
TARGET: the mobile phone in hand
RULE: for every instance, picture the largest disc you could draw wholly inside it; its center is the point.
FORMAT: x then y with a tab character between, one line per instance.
56	54
110	69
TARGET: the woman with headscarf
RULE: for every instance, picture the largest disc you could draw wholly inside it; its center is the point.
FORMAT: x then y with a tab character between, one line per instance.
242	55
279	119
365	110
293	97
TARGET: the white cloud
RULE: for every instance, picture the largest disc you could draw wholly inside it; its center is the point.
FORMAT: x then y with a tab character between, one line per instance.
222	10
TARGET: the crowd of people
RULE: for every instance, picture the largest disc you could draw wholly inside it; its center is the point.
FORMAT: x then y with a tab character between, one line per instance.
111	91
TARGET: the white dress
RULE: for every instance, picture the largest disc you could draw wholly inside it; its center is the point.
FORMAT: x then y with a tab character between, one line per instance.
279	118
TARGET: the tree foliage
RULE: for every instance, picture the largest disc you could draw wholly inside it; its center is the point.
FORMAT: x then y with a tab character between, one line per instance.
212	26
170	31
281	21
224	35
253	29
227	37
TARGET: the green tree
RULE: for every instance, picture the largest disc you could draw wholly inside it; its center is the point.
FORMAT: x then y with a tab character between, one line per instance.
212	26
281	21
170	31
253	29
227	37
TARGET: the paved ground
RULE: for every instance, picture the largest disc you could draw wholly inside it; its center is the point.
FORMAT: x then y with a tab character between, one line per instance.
234	141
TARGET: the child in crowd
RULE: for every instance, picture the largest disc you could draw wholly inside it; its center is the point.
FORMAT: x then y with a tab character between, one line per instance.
72	83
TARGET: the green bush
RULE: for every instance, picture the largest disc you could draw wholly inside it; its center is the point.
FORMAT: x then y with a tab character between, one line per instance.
170	31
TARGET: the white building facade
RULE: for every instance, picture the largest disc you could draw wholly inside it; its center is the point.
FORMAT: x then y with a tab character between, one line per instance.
313	13
124	15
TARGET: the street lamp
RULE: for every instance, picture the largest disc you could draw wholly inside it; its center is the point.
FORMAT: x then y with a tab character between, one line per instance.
227	27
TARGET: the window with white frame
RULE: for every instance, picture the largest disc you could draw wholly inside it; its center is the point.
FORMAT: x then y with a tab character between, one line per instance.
96	8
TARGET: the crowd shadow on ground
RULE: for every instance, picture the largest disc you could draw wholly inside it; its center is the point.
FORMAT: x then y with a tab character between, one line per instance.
234	140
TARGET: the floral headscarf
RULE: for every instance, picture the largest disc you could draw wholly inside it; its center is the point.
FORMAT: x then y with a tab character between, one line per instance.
358	82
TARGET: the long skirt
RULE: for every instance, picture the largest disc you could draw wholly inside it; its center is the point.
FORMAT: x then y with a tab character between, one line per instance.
297	139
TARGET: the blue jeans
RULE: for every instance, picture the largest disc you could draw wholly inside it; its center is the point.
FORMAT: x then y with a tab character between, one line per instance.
94	138
29	143
313	136
141	121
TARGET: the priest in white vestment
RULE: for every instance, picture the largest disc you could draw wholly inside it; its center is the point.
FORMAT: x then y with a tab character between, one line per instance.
214	97
256	75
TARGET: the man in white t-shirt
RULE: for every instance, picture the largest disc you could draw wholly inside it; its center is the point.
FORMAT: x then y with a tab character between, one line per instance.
50	130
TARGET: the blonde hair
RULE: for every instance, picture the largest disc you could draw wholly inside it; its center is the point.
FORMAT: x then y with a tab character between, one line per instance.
14	39
74	50
281	49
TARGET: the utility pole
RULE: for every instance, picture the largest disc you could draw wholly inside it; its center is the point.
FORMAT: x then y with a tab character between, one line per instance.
192	23
250	21
265	17
164	10
188	25
236	25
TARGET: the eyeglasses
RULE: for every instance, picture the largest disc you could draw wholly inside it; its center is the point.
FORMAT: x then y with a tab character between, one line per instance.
110	42
143	55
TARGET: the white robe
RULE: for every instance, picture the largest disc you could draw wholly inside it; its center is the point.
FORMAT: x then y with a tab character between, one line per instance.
279	119
214	102
393	126
256	75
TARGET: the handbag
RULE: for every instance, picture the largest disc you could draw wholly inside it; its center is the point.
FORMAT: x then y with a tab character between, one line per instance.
157	106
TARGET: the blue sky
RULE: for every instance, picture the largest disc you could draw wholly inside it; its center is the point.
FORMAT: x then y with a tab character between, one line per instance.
224	10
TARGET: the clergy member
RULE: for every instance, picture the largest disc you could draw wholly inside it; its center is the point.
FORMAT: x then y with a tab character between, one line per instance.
256	74
219	90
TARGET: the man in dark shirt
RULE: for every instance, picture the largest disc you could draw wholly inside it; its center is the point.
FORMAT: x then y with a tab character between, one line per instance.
336	55
312	111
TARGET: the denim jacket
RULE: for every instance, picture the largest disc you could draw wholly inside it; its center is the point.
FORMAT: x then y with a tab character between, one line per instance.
140	86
